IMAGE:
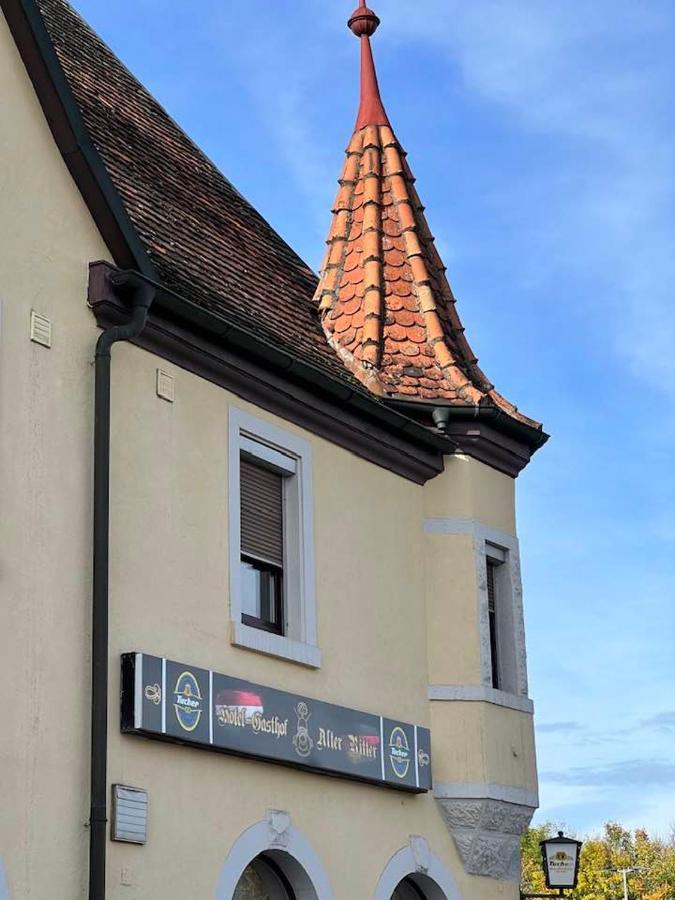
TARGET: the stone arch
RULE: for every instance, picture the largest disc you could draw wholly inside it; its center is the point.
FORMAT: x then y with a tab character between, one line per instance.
417	862
277	838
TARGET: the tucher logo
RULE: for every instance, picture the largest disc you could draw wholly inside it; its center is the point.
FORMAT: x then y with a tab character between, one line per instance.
399	752
187	701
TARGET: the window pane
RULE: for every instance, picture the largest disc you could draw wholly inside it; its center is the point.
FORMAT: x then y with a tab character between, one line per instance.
407	891
250	589
262	880
250	886
492	618
261	595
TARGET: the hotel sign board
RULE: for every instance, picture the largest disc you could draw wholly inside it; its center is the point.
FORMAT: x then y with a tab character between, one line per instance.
173	701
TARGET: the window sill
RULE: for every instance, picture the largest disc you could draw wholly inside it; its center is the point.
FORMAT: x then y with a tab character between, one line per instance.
276	645
480	694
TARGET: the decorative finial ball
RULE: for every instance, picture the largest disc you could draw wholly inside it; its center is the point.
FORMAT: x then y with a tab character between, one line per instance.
363	22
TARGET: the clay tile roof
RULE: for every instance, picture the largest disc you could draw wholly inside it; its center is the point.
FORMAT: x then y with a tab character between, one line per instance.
205	241
386	305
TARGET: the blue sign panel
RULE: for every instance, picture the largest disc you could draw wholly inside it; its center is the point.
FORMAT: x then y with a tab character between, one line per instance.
172	701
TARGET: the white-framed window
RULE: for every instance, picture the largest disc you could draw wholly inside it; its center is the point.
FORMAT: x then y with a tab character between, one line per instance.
499	617
271	540
502	646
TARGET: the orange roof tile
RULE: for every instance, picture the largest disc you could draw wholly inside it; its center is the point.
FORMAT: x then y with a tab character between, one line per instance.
386	305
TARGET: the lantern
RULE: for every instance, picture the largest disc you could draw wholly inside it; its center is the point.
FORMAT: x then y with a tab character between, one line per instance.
560	856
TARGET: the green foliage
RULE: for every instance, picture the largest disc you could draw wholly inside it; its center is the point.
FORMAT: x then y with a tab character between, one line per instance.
601	858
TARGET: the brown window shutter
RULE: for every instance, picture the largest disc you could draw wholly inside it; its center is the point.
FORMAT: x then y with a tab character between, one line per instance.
262	527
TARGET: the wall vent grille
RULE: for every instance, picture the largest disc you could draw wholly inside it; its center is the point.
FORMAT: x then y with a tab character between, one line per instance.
40	329
165	386
129	814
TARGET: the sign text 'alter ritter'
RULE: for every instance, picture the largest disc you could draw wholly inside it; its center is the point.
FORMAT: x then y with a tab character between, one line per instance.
172	701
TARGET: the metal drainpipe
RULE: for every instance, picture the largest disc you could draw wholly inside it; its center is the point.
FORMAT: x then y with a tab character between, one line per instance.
142	297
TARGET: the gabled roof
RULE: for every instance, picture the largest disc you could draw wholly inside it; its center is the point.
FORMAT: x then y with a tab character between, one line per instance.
386	305
166	211
203	239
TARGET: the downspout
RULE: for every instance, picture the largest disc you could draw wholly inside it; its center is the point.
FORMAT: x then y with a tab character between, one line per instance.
142	295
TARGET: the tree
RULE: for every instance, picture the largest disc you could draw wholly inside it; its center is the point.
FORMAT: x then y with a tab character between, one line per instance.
602	858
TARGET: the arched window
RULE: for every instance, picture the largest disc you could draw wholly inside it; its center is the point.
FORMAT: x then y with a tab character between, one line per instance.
273	860
416	873
263	879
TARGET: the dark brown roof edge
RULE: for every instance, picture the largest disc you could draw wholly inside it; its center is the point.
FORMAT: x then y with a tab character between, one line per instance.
228	355
484	432
70	134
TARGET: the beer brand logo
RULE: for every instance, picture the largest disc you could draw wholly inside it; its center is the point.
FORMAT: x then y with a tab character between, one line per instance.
153	693
302	741
187	701
399	752
561	860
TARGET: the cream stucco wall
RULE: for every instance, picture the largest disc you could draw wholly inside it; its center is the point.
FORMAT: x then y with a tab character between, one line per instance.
170	566
451	590
472	490
482	738
169	596
169	547
485	743
46	240
379	587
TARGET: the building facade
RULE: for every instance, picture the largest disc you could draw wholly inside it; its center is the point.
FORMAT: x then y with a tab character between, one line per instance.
302	673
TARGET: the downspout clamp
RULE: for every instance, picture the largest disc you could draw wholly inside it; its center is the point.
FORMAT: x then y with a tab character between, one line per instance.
142	294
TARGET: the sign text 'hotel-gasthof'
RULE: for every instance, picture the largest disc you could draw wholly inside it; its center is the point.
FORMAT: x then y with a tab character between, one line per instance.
172	701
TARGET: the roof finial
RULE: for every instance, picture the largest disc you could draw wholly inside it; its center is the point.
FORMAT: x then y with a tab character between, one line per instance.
364	23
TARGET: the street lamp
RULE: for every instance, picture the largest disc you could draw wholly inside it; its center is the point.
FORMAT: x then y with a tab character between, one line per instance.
560	856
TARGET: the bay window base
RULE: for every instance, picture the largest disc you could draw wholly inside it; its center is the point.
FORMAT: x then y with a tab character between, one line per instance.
487	823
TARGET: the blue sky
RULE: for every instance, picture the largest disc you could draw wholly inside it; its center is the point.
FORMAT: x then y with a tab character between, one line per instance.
542	136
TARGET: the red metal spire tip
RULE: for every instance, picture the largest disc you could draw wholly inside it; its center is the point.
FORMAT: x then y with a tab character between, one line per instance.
363	21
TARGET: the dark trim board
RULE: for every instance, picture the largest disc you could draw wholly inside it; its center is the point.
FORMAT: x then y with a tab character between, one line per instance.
281	385
482	432
395	435
482	441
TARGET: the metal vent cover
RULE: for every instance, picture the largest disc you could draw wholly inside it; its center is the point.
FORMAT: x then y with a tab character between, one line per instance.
129	814
40	329
165	388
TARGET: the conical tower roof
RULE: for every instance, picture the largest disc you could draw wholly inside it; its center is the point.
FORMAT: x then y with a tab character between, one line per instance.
385	303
